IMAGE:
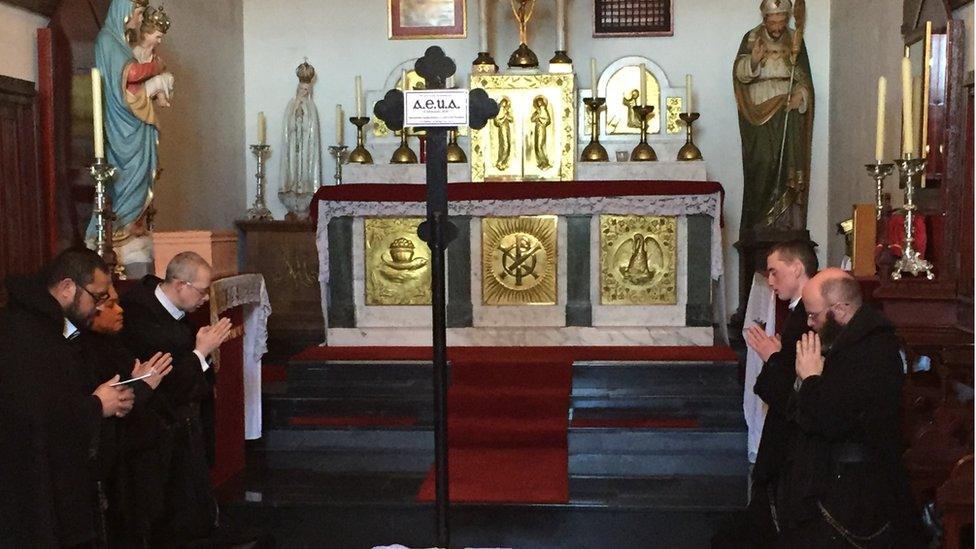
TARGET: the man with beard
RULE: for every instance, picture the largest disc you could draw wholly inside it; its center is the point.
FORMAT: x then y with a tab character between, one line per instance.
789	266
845	485
50	416
177	506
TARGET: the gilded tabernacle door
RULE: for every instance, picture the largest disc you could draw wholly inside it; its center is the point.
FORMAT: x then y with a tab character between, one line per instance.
533	138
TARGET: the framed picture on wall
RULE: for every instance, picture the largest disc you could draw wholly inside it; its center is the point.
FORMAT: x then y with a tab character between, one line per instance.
632	18
410	19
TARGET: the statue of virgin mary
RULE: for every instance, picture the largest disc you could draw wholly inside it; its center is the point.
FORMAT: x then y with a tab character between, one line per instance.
300	161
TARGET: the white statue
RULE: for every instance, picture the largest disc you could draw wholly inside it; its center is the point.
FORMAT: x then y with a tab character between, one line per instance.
301	144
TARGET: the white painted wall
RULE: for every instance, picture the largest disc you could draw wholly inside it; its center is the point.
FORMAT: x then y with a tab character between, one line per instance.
343	39
18	42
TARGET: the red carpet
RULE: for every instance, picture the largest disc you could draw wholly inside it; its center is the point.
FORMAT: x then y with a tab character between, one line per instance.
507	429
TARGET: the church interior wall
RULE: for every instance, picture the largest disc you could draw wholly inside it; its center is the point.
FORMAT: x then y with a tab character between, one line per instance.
18	42
343	39
201	156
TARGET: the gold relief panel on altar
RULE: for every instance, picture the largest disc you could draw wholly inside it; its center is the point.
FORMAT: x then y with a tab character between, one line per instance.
397	262
519	260
638	260
534	135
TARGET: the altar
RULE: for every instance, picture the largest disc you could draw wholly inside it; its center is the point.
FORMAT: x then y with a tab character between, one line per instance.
612	263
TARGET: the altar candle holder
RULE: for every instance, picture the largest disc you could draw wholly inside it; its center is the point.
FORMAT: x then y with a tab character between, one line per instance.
403	154
259	211
360	155
879	172
103	173
911	261
340	153
689	151
594	151
455	154
643	152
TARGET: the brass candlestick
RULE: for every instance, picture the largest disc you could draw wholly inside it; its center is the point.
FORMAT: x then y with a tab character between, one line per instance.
260	211
910	260
103	173
523	57
484	64
594	151
360	155
403	154
879	172
689	151
340	153
455	154
643	152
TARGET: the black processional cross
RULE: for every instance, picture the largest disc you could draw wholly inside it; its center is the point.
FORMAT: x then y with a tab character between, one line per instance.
437	232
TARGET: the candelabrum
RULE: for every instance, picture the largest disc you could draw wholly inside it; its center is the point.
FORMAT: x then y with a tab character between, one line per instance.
340	153
689	151
103	173
403	154
260	211
911	261
594	151
643	152
360	155
879	172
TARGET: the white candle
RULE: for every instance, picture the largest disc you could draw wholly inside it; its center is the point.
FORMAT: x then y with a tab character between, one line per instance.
359	96
262	129
483	25
560	25
643	85
689	108
907	132
97	119
340	124
917	101
879	137
403	80
593	76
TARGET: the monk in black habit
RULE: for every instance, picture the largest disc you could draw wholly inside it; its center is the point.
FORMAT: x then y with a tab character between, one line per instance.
168	441
49	415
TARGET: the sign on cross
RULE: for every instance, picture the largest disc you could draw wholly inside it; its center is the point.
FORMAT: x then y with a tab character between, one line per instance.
436	110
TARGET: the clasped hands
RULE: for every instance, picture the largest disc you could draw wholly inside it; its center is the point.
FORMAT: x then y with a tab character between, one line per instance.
209	338
809	361
118	400
764	345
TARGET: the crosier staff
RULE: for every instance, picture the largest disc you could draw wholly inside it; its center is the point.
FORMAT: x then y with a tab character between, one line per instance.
800	16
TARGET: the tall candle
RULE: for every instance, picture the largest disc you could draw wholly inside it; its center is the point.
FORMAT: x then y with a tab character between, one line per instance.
97	119
359	96
593	76
643	85
907	131
917	101
403	80
483	25
560	25
690	107
340	126
879	137
262	129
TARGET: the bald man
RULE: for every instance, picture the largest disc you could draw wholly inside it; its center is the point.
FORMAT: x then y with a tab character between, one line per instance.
845	484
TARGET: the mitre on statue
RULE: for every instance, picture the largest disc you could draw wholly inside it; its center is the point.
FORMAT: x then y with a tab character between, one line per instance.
771	7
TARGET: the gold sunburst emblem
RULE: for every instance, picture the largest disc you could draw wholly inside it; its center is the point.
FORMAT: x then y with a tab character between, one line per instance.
519	260
397	262
638	259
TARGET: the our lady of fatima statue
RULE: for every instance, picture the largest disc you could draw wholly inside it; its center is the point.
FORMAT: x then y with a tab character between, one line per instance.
130	120
301	144
774	95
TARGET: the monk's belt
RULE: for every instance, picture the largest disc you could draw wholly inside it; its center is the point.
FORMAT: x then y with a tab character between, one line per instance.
850	452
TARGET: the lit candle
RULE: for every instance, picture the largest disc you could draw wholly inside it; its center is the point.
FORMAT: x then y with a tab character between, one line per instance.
97	119
483	25
879	137
593	76
340	124
689	108
560	25
262	129
643	85
907	133
359	96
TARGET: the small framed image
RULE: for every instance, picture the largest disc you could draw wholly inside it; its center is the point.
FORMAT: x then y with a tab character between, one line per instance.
632	18
417	19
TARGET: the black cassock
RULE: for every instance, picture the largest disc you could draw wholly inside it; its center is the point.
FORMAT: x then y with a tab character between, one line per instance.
166	438
49	421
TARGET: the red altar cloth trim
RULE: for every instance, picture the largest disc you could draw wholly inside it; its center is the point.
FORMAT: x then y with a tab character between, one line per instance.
515	190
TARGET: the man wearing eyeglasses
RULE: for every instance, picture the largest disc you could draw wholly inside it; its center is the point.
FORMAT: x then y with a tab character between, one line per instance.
175	495
49	416
846	485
